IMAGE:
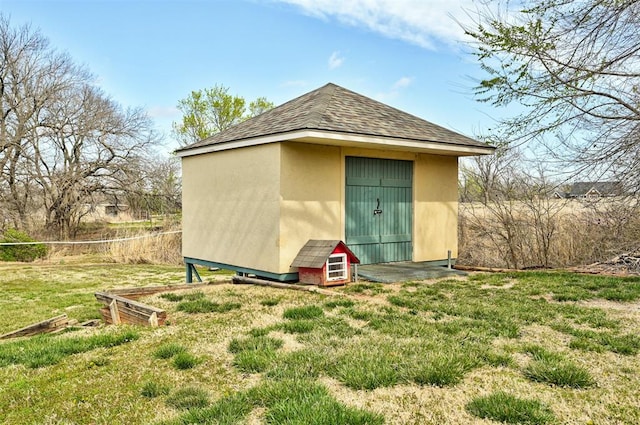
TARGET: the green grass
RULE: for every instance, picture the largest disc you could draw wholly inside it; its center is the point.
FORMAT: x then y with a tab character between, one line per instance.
170	296
35	292
340	302
506	408
152	389
47	350
366	288
299	326
443	369
314	359
228	410
238	345
190	296
202	305
306	312
254	354
554	369
185	360
188	398
168	350
270	302
285	402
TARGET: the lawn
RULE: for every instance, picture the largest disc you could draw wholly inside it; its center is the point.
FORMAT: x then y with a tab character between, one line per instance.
530	348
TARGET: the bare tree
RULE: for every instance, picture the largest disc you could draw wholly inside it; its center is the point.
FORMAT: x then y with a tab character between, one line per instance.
63	142
156	186
85	150
574	67
511	207
31	75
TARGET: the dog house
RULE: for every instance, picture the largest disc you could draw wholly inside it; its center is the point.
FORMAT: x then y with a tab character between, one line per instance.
324	263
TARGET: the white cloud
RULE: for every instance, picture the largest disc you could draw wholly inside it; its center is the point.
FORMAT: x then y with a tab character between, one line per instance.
402	83
421	22
163	112
395	89
335	60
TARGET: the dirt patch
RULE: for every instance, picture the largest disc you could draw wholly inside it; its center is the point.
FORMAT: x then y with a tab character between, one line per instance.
612	305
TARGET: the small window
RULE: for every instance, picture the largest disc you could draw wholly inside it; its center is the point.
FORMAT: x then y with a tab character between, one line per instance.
337	267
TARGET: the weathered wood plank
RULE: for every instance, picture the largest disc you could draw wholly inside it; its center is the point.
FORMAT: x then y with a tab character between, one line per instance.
115	314
261	282
135	293
49	325
119	309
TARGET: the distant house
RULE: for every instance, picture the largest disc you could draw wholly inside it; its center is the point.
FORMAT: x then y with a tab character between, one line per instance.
328	165
595	190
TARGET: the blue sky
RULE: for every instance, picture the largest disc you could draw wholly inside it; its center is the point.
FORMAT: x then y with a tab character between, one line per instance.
406	53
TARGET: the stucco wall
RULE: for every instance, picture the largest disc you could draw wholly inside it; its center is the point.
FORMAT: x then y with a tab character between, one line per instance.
311	190
435	225
256	207
231	207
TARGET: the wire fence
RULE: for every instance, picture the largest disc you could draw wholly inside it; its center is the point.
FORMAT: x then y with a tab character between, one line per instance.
152	235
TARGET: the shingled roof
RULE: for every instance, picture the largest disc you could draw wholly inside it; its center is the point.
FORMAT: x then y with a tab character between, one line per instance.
332	111
612	188
316	251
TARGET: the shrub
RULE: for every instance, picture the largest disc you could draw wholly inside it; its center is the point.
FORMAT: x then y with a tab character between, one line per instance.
502	407
25	253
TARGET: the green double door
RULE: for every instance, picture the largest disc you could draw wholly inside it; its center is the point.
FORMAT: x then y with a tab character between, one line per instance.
379	209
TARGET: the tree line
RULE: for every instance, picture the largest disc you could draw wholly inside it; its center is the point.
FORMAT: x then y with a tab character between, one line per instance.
64	144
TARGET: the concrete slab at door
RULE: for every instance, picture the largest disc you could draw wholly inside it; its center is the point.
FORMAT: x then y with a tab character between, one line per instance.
378	209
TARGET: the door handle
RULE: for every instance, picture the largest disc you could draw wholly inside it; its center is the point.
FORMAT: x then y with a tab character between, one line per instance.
377	211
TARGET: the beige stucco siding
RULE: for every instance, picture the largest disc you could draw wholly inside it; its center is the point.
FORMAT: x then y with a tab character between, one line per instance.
435	226
231	207
311	190
256	207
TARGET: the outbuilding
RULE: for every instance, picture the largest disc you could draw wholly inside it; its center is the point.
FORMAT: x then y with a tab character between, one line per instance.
329	165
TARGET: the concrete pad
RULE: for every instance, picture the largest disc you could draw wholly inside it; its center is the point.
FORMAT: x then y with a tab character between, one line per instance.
405	272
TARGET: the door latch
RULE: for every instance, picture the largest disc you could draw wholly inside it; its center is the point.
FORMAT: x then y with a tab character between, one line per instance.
377	210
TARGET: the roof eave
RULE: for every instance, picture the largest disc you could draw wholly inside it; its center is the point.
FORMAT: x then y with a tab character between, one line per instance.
345	139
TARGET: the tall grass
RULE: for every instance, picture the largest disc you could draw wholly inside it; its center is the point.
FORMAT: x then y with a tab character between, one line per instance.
579	232
161	249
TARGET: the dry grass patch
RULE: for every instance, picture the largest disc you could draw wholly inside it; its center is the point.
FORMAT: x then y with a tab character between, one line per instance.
480	331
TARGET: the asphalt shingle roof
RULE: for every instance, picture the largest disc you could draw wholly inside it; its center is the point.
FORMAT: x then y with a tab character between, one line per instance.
604	188
335	109
316	251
